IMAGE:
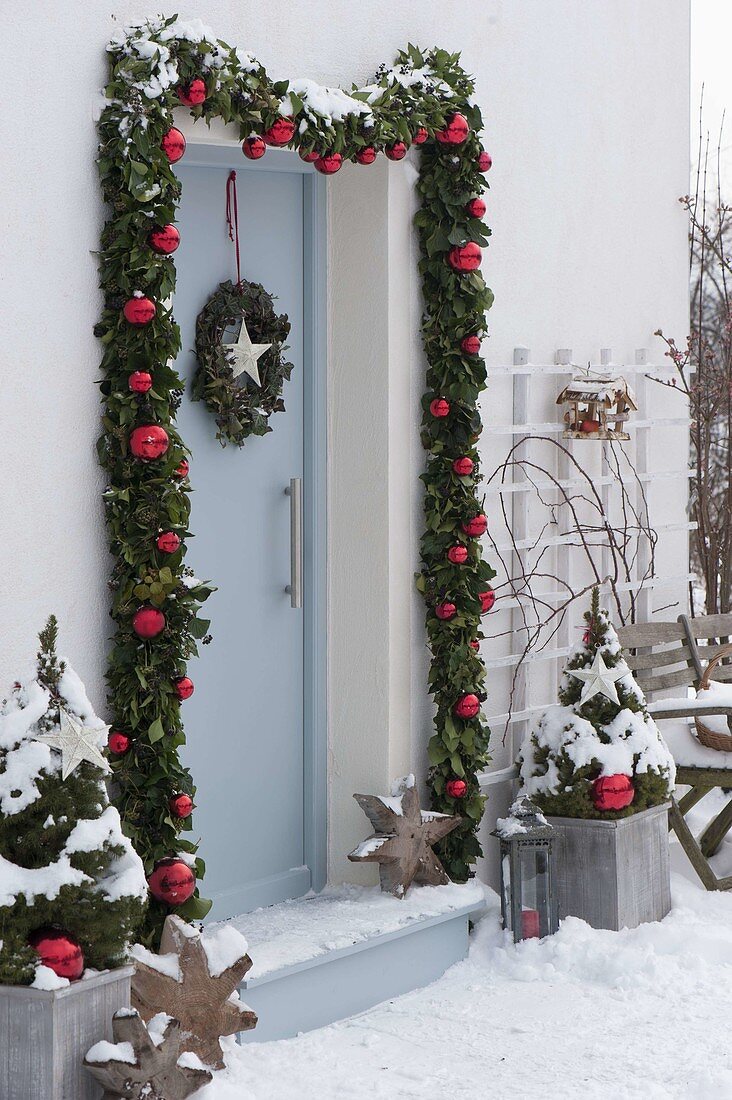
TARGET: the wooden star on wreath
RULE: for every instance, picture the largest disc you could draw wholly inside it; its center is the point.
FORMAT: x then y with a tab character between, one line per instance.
206	1005
402	839
155	1073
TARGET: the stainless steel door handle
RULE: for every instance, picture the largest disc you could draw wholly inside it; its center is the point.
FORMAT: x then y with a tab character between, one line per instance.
294	491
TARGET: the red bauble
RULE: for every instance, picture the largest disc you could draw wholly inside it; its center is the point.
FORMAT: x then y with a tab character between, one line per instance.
181	805
467	706
149	441
280	132
118	743
475	644
465	257
172	881
173	144
420	136
476	208
445	610
183	687
456	788
253	148
329	164
148	622
367	155
590	426
463	466
612	792
455	132
164	240
484	161
470	345
586	637
139	311
182	469
140	381
476	526
60	951
192	94
168	542
487	599
440	407
397	151
457	554
310	157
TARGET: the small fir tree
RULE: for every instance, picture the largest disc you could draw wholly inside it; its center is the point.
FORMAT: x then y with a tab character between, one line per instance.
573	744
63	858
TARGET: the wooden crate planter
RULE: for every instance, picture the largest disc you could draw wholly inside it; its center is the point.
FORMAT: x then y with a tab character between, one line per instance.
44	1036
614	874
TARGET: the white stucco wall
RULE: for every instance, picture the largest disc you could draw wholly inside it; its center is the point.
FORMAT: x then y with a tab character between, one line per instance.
586	111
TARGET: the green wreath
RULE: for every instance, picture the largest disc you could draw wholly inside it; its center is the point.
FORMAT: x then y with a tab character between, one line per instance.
241	407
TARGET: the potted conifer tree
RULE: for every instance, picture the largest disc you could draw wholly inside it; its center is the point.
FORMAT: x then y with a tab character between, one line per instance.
72	889
597	766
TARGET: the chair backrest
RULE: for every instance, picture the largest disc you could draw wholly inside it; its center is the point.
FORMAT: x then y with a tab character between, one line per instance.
667	655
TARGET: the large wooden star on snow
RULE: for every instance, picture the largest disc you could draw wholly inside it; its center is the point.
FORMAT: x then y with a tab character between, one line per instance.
76	743
402	839
205	1004
244	354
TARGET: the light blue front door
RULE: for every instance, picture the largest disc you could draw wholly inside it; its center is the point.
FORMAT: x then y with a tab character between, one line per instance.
245	724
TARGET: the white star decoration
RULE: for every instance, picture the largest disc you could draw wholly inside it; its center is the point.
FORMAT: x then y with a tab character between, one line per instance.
245	354
75	742
599	679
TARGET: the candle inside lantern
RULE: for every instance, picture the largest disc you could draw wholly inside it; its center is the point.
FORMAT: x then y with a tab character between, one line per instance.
530	924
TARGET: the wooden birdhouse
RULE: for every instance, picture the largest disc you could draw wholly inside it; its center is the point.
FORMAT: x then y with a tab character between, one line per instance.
596	407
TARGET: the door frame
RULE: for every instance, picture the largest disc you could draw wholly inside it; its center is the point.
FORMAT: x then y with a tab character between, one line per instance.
216	150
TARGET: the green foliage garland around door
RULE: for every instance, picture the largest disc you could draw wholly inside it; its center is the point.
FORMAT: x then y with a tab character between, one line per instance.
423	100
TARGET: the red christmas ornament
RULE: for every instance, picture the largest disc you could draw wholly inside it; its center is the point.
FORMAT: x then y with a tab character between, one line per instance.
440	407
455	132
612	792
476	526
60	951
172	881
487	599
420	136
590	426
192	94
445	610
463	466
474	644
181	469
168	542
164	240
183	687
329	164
139	311
367	155
280	132
476	208
173	144
484	161
470	345
467	706
140	381
118	742
253	148
310	157
148	622
397	151
181	805
457	554
466	257
456	788
586	637
149	441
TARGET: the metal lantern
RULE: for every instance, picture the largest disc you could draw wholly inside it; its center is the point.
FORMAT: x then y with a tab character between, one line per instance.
528	872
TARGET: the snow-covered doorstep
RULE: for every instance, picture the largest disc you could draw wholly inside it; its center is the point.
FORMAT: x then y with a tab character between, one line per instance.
306	928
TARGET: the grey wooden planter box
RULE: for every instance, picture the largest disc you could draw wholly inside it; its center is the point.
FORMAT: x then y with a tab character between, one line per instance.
614	874
44	1036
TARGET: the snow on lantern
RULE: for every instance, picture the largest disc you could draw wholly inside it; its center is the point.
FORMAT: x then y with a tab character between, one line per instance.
597	406
528	872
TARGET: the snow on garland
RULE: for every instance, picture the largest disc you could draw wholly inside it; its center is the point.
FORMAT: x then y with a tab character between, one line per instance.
152	67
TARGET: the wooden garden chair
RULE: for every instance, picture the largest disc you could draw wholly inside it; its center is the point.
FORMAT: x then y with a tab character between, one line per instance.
667	656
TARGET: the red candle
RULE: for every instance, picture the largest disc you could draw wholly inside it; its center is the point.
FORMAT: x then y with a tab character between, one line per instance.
530	924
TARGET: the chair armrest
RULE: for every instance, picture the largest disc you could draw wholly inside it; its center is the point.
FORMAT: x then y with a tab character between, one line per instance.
683	708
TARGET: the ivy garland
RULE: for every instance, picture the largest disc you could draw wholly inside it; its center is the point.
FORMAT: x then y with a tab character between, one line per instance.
240	408
153	67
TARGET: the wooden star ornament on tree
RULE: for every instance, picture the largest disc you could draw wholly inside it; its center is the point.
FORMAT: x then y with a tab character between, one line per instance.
402	839
76	743
205	1003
